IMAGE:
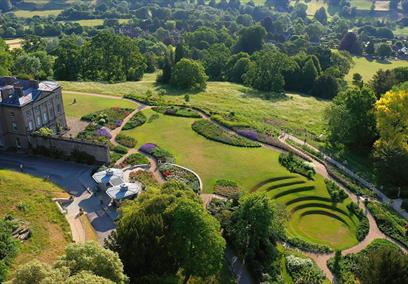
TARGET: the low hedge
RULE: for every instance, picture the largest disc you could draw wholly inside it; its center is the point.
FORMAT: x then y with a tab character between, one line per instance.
137	120
307	246
160	154
135	159
126	140
336	193
120	149
177	111
213	132
389	222
296	165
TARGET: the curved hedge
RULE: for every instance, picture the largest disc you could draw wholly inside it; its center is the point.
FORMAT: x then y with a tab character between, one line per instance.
213	132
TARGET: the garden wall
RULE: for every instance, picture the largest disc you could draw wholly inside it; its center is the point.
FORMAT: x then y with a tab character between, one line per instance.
67	146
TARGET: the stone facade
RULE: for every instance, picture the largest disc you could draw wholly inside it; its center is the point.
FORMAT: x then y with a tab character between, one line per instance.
26	106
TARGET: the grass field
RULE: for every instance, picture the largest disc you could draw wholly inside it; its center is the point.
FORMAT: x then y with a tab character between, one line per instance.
96	22
293	112
249	167
87	104
14	43
361	4
29	199
40	13
368	68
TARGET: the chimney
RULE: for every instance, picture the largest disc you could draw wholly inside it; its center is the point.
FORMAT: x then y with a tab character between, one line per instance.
6	91
18	90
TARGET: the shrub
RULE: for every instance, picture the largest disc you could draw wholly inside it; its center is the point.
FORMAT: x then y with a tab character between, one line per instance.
296	165
126	140
137	120
120	149
306	246
44	131
336	193
177	111
363	228
227	188
214	132
161	155
135	159
389	222
103	132
153	117
303	270
145	177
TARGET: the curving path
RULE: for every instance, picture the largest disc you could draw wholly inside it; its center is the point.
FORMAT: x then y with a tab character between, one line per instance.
320	259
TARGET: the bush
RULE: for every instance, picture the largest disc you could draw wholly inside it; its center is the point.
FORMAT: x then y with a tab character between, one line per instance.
213	132
161	155
135	159
146	178
227	188
137	120
303	270
363	228
296	165
336	193
177	111
126	141
389	222
309	247
114	157
120	149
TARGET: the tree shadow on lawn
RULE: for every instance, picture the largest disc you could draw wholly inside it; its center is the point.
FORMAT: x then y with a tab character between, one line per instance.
173	91
269	96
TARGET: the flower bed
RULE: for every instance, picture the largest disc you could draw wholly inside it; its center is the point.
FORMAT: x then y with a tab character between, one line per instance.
389	222
298	268
137	120
135	159
296	165
173	172
96	133
177	111
146	178
111	117
227	188
126	141
214	132
161	155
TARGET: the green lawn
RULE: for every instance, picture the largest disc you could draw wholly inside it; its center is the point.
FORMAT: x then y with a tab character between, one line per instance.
41	13
87	104
248	167
368	68
96	22
14	43
29	199
294	112
361	4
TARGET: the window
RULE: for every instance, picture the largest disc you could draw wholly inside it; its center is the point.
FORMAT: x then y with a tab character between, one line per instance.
58	108
30	125
12	114
45	117
14	125
18	143
38	120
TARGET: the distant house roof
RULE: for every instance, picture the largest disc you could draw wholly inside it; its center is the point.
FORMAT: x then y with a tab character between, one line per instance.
124	191
21	92
109	176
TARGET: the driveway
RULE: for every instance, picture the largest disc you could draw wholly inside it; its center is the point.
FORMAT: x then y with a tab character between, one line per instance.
74	178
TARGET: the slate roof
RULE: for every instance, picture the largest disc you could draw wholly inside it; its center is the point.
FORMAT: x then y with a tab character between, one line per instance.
30	94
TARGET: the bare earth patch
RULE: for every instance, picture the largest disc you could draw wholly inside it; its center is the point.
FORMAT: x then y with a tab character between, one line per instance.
75	125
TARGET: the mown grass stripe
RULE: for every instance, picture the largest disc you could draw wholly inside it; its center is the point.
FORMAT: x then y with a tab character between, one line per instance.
275	186
307	198
295	190
270	180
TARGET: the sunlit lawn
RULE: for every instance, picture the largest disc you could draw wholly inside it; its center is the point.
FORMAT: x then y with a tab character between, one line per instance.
40	13
86	104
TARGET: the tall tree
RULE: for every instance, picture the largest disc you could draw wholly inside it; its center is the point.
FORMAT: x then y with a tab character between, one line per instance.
215	60
382	82
189	74
250	39
383	265
351	43
351	119
391	150
321	15
195	240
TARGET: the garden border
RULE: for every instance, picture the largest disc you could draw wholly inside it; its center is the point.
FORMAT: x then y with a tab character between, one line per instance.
189	170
